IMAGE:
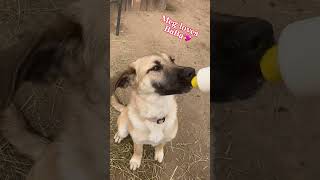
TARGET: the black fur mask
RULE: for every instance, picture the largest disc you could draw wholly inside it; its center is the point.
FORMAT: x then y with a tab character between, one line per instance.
238	45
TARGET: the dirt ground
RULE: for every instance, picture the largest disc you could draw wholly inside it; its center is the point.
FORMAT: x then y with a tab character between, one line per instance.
187	157
274	135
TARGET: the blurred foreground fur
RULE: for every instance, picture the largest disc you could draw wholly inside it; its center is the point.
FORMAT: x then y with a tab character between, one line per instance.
73	48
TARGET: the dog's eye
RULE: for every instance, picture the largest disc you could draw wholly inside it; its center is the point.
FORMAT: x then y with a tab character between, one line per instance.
156	68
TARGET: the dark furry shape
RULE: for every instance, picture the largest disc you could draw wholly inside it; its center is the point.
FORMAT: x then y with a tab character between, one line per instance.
238	45
45	61
72	47
54	54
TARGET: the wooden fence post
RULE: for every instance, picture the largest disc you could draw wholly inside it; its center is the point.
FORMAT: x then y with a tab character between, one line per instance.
144	5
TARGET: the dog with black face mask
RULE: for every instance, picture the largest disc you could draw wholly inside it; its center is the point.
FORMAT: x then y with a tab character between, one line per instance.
151	115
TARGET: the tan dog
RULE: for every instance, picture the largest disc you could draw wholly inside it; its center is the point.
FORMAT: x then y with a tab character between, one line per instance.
151	115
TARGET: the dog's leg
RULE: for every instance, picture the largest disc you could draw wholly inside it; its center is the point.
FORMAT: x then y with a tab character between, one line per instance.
158	154
13	127
135	160
122	126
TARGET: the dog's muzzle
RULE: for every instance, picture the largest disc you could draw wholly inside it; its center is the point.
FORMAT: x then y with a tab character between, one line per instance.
187	74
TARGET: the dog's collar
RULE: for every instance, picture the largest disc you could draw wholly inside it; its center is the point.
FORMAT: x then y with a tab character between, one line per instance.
162	120
158	121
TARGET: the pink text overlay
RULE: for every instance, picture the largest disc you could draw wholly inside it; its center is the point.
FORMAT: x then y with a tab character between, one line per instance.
178	29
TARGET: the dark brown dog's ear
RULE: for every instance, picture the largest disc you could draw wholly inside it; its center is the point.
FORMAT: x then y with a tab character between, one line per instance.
40	59
172	59
126	78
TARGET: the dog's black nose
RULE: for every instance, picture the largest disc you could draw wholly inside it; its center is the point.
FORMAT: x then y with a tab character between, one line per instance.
188	72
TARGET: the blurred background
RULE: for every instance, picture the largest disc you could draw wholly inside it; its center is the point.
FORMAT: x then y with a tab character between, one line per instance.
272	135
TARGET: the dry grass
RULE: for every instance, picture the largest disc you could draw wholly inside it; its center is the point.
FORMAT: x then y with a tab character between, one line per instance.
183	158
12	164
120	155
37	104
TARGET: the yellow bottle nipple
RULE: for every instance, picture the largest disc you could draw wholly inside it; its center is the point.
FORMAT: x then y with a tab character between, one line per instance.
194	82
269	65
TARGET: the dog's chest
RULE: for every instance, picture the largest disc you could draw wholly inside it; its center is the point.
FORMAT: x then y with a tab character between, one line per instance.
153	133
155	107
154	111
143	119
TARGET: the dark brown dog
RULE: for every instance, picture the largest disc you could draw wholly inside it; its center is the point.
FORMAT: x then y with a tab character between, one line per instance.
239	43
73	48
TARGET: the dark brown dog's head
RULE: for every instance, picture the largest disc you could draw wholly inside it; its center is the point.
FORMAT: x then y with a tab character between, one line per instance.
238	45
157	74
41	57
67	48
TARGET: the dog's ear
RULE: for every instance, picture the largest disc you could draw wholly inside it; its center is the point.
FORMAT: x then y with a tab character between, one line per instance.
172	59
126	78
40	59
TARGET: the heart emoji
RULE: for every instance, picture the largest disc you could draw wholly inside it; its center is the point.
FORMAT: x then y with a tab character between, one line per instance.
188	37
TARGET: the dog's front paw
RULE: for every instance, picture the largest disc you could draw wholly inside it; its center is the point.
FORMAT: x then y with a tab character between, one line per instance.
135	163
118	137
159	154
